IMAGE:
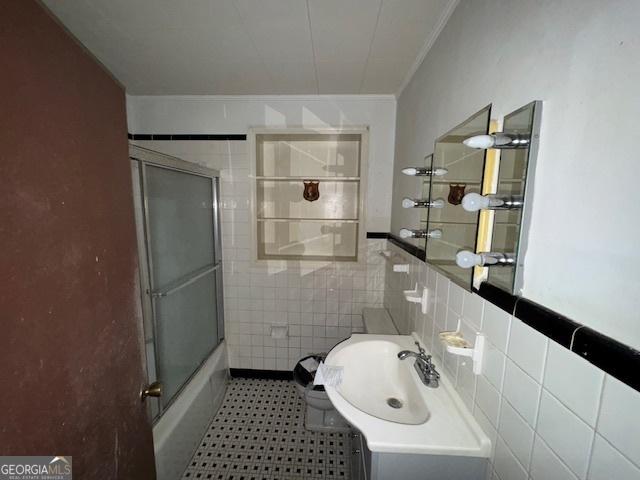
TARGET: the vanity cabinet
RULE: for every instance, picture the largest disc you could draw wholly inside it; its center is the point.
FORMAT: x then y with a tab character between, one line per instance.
367	465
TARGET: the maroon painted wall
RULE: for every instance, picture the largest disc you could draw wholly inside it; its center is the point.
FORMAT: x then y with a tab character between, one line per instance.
70	347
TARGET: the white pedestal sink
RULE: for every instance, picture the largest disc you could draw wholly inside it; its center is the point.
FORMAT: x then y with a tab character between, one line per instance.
383	397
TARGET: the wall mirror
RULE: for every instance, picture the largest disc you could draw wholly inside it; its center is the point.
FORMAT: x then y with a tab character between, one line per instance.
458	170
513	185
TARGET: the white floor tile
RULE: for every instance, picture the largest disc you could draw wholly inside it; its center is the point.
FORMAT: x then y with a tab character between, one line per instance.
259	434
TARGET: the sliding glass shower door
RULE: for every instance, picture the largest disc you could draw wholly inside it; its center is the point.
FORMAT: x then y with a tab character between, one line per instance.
182	278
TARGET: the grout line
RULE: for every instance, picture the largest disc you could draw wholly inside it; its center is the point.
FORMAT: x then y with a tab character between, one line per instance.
553	452
599	411
247	31
613	447
515	305
597	422
537	419
573	336
526	470
373	36
313	49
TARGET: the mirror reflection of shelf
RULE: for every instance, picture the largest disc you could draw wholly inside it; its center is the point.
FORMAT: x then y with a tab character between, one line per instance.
398	264
420	295
316	178
474	183
505	224
315	220
451	223
447	182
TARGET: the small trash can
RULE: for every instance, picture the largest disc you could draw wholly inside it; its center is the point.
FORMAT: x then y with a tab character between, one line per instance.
304	377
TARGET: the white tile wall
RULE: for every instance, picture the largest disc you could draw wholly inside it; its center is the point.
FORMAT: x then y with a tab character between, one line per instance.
545	465
608	464
522	391
320	302
568	436
572	380
619	420
551	415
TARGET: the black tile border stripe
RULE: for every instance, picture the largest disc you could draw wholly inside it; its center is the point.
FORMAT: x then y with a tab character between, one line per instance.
497	297
609	355
411	249
615	358
417	252
186	136
557	327
264	374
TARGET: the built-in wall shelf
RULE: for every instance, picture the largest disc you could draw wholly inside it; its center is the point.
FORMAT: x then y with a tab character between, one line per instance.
307	193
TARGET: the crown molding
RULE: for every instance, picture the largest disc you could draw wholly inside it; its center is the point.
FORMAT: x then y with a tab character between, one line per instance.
267	98
442	21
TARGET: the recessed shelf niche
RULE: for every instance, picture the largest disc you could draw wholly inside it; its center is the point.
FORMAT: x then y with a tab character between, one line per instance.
298	221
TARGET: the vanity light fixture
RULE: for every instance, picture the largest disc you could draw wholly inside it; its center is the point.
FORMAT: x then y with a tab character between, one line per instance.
498	140
472	202
467	259
424	172
408	233
422	203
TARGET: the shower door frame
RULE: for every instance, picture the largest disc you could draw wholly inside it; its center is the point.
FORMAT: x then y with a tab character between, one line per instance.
143	157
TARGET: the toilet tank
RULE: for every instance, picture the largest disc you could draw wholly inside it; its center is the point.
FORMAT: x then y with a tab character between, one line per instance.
378	321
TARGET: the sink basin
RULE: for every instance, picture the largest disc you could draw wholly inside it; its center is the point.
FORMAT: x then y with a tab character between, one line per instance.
389	393
383	398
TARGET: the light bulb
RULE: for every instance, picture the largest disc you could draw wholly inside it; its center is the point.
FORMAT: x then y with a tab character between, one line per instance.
424	172
472	202
408	203
438	203
480	141
498	140
467	259
406	233
436	233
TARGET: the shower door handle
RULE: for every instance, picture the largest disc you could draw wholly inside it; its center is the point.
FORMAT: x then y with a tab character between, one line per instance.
184	281
153	390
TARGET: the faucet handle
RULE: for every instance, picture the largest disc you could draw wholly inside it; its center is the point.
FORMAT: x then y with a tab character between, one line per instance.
420	349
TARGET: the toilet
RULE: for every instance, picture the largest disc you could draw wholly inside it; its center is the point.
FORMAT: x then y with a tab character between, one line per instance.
320	414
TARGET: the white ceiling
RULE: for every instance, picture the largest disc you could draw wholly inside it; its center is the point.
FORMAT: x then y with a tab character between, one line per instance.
252	47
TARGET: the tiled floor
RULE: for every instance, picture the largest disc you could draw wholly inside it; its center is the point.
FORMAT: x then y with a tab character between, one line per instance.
259	434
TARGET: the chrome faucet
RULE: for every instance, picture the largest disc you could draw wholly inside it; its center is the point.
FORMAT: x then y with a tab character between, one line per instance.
423	365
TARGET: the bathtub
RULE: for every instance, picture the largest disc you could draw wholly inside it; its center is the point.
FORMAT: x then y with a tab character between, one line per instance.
178	433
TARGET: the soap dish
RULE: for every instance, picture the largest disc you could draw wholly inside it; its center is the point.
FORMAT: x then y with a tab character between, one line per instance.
454	339
456	344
